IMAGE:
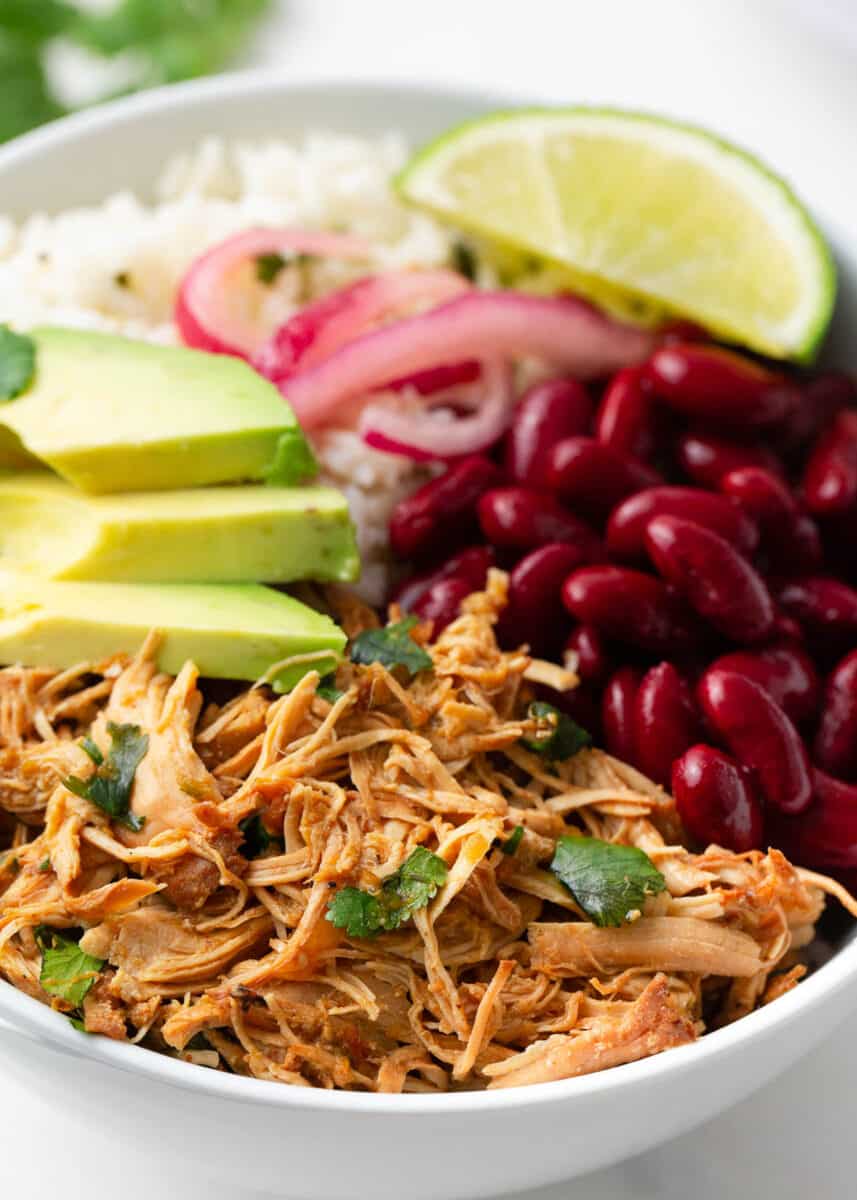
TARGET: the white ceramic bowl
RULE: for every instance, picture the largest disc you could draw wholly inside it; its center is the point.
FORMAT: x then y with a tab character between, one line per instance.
313	1144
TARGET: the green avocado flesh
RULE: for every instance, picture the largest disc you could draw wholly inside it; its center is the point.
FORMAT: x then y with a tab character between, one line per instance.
230	630
225	534
111	414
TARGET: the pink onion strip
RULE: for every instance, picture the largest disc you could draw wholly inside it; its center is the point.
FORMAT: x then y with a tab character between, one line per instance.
321	328
422	435
564	331
212	313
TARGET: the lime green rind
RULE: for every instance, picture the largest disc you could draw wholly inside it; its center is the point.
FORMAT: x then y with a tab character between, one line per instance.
803	351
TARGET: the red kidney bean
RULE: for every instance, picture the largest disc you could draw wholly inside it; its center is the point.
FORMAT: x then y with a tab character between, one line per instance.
825	836
823	605
625	417
534	613
706	458
441	601
715	579
716	800
835	747
520	518
785	671
665	721
626	529
822	396
680	329
760	735
789	535
439	515
471	564
617	713
595	476
830	477
629	606
546	413
710	383
593	658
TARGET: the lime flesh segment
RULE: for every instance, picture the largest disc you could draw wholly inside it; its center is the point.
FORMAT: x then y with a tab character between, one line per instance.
662	212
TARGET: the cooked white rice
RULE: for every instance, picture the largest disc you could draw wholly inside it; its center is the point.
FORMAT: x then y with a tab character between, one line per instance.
117	267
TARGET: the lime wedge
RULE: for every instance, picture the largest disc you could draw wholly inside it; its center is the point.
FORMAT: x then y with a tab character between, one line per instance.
666	215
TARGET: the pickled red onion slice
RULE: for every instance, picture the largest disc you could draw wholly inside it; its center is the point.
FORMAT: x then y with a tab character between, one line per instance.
564	331
322	327
212	314
425	435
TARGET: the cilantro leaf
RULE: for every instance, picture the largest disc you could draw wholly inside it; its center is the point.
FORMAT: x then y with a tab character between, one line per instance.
391	646
328	690
364	914
268	266
462	259
67	972
257	839
513	841
562	737
17	363
110	786
606	880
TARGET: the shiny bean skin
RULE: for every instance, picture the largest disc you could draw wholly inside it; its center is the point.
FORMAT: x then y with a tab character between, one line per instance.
587	474
716	581
471	564
716	800
626	529
835	746
546	413
617	713
790	537
713	384
625	420
785	671
822	604
523	519
630	607
441	602
665	721
830	477
825	836
760	735
706	458
439	515
591	653
534	614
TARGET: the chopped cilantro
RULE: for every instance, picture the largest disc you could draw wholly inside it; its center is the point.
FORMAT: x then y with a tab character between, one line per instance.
67	972
562	737
257	839
328	690
364	914
110	786
17	363
513	841
78	1024
463	260
10	863
608	881
45	865
391	646
268	266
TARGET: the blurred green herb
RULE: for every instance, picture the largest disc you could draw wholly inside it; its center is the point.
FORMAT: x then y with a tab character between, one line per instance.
163	41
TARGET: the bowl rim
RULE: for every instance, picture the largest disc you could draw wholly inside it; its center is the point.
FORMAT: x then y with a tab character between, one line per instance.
28	1017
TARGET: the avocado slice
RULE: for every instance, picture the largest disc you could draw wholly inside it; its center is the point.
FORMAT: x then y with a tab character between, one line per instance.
111	414
224	534
230	630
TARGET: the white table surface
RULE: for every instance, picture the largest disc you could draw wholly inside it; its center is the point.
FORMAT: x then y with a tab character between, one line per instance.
793	1138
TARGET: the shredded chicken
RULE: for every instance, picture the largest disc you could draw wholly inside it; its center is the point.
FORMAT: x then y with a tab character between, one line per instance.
216	944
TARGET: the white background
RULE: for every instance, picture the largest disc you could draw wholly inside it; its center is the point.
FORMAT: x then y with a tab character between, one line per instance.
794	1139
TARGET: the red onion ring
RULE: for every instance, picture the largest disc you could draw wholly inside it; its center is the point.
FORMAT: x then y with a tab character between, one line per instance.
208	309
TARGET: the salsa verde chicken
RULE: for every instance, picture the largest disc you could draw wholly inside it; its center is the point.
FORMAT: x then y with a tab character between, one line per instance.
413	876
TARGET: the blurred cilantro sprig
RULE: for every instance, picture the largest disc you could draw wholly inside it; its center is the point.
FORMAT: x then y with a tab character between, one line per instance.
164	41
